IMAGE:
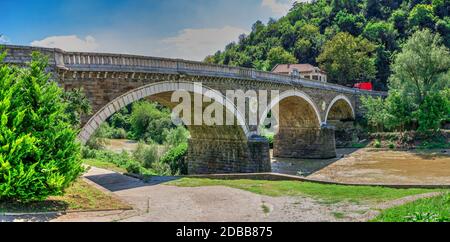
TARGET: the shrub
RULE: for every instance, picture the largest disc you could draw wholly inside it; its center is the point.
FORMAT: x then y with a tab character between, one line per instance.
162	169
118	133
176	159
39	155
177	136
391	146
147	122
146	154
133	167
377	144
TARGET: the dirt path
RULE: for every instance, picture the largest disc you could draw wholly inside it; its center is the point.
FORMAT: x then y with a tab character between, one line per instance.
154	201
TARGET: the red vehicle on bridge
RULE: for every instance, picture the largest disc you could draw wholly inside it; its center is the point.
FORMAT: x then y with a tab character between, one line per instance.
364	86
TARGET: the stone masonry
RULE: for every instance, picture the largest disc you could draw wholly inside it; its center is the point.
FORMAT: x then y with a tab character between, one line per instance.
113	81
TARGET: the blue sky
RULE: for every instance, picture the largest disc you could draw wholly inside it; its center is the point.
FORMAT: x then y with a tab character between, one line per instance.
188	29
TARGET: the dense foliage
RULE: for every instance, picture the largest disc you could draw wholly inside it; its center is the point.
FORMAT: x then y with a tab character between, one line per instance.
77	106
419	92
305	32
39	156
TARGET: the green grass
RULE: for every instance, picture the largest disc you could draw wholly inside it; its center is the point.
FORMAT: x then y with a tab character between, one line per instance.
79	197
104	165
326	193
338	215
436	209
265	209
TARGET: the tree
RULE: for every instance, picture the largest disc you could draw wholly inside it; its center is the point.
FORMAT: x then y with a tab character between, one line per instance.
373	9
278	55
149	123
77	106
399	111
422	66
422	16
350	23
432	112
399	19
39	155
375	112
348	59
441	8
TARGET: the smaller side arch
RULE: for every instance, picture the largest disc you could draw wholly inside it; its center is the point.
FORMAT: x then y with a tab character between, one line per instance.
335	100
287	94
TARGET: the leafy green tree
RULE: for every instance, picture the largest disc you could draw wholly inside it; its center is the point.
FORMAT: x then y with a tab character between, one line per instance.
348	59
376	114
350	23
148	122
373	9
432	112
177	136
382	33
441	8
278	55
78	106
422	67
399	111
39	155
422	16
399	19
443	28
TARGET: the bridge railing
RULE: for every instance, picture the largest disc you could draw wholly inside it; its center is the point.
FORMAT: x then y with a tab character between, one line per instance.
84	61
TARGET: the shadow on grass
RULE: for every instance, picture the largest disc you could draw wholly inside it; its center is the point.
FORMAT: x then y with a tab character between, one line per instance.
37	211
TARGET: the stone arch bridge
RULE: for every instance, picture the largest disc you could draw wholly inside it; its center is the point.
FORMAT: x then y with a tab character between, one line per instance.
308	111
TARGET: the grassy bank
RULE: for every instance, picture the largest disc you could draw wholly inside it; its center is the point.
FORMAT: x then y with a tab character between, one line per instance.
326	193
79	197
104	165
436	209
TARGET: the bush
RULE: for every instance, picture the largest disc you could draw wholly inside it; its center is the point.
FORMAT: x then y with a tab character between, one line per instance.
147	122
162	169
177	136
377	144
146	154
176	159
391	146
133	167
118	133
39	155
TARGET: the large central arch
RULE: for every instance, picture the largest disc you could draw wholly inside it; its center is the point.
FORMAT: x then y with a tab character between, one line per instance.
212	148
299	132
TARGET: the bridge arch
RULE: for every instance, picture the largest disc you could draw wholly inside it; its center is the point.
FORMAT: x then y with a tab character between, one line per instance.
340	108
299	133
212	148
277	101
154	89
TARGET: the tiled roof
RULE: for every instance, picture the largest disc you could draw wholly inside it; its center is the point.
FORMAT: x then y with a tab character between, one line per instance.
288	68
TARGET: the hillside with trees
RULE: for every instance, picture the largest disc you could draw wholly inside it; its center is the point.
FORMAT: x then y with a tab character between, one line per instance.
352	40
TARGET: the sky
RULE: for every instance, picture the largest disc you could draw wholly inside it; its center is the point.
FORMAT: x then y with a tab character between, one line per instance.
186	29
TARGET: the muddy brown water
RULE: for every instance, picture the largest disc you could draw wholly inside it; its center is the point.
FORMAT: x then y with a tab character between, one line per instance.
389	167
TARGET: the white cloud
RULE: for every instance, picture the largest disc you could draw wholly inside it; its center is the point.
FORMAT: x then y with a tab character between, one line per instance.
280	7
4	39
68	43
196	44
189	44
